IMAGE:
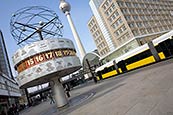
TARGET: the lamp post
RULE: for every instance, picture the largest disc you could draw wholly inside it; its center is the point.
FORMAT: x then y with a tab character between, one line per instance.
65	8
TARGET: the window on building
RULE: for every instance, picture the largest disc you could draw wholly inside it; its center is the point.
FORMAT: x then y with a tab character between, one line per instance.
135	5
104	7
124	11
143	18
107	13
116	13
91	30
96	26
143	31
110	10
127	35
132	11
113	6
149	30
142	5
123	28
139	24
131	25
110	1
117	33
110	20
93	21
120	30
140	11
128	18
120	3
128	4
113	16
135	32
135	17
113	26
107	3
120	21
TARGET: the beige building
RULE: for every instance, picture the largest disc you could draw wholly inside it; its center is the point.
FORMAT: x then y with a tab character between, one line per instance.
98	37
128	23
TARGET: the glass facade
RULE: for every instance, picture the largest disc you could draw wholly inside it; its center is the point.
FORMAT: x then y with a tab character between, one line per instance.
9	90
4	63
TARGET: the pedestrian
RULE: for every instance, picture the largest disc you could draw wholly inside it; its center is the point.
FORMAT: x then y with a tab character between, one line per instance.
51	99
10	111
67	90
15	109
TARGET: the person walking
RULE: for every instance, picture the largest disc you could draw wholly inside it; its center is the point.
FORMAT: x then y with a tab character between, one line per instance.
67	90
51	99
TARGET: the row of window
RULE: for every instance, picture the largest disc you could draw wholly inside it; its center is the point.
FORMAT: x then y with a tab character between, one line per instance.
102	45
106	4
92	22
110	10
93	29
150	23
143	5
113	16
96	34
151	30
117	23
4	83
145	11
120	30
140	12
104	51
98	40
146	17
138	57
124	38
4	87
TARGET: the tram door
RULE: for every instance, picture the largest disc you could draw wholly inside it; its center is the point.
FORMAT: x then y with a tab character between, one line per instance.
122	65
167	47
100	75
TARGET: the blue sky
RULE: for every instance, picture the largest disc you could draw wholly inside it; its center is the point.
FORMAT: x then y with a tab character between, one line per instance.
80	13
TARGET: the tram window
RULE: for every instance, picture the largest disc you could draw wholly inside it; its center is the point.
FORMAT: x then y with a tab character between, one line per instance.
132	59
111	68
98	73
138	57
105	70
158	48
171	42
145	54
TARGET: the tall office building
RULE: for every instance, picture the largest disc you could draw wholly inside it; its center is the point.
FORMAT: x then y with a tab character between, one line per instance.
4	61
129	23
100	30
9	90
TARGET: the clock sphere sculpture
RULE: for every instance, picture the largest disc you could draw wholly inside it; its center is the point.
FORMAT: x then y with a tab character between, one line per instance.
35	23
42	60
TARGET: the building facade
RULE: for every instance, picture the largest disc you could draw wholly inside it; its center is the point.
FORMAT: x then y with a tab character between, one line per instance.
131	23
9	90
98	37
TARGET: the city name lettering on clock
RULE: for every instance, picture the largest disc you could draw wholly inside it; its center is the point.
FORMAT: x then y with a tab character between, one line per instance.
44	56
